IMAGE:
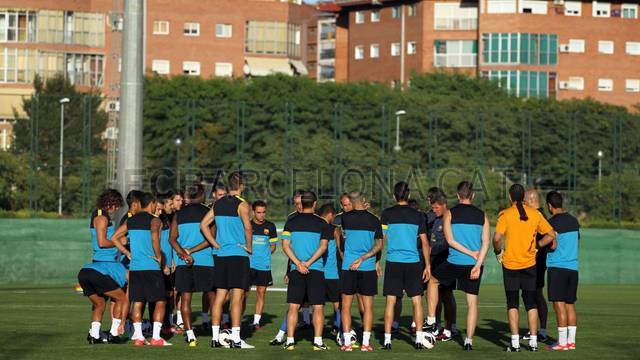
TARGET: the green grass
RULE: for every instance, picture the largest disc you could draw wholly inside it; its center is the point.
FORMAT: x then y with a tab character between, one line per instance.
52	323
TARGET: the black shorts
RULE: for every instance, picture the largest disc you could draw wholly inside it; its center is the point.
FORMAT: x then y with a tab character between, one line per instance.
192	279
359	282
447	273
562	285
232	272
399	277
309	288
261	277
93	282
541	269
435	262
523	279
168	281
146	286
332	290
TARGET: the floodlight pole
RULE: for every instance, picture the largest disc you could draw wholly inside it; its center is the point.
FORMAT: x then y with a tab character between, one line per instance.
399	113
62	102
129	168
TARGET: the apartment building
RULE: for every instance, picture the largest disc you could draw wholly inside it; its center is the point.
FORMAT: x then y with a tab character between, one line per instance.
554	48
207	38
229	38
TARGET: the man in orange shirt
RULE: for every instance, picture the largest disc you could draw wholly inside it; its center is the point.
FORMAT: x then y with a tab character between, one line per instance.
519	225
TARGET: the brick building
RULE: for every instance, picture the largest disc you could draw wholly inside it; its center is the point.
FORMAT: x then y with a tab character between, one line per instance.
557	48
82	40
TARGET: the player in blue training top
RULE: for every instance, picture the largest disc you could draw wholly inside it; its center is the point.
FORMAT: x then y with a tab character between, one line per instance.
562	265
363	241
305	241
146	282
265	240
105	276
233	240
404	272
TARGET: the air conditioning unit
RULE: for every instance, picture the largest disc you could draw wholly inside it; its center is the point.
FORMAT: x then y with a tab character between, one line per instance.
111	133
565	48
116	20
564	85
113	105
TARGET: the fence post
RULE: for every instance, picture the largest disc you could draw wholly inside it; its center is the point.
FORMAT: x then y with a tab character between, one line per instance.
33	151
573	166
617	169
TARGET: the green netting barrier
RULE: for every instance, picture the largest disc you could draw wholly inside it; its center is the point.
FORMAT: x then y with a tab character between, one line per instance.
42	251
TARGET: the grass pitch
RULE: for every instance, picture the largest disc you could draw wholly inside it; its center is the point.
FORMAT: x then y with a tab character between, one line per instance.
52	323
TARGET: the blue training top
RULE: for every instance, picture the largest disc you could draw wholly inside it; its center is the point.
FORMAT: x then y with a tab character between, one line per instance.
402	224
229	227
565	255
466	225
102	254
142	253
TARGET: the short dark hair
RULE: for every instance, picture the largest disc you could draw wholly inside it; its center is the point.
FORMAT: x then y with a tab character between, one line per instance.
177	193
259	203
146	199
413	203
196	191
235	180
297	192
554	198
465	190
219	186
401	191
434	192
133	196
307	199
109	198
164	197
326	209
438	199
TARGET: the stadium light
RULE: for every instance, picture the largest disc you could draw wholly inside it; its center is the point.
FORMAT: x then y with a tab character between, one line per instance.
178	144
600	156
399	113
62	102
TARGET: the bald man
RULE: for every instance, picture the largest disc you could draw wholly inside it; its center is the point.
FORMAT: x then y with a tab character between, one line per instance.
532	199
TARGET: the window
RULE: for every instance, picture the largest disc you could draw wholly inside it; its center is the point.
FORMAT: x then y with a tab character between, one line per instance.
191	29
412	10
160	27
633	48
605	85
629	11
374	51
533	6
224	69
395	12
224	30
455	53
359	52
576	83
327	51
395	49
359	17
501	6
17	26
412	48
525	83
191	68
576	46
573	8
161	67
84	69
517	48
605	47
375	15
455	16
326	72
601	9
271	37
328	31
632	85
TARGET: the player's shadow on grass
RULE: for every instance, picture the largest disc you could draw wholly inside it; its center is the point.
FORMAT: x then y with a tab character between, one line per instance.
494	331
402	335
248	330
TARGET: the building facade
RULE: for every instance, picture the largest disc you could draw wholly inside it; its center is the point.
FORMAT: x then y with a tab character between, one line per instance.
554	48
207	38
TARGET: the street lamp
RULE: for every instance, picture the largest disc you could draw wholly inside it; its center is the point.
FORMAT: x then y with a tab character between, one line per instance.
62	102
600	156
399	113
178	144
